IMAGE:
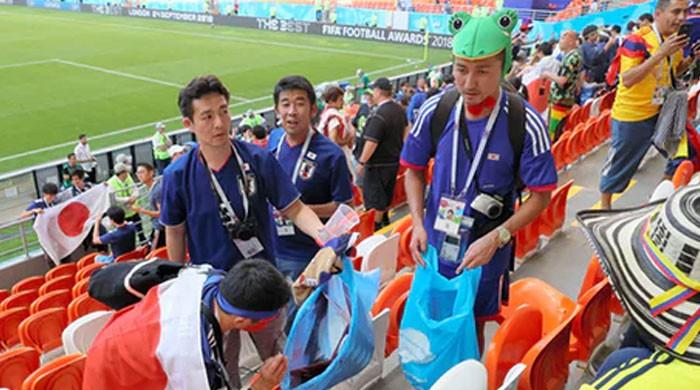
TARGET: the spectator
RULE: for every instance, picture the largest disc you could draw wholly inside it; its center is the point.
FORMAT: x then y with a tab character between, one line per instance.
417	100
217	195
562	96
379	159
85	158
245	298
78	184
68	169
125	192
252	119
645	78
363	81
161	142
481	61
334	125
149	203
631	27
175	152
646	20
103	255
315	165
122	239
404	90
260	136
595	54
245	133
49	192
434	77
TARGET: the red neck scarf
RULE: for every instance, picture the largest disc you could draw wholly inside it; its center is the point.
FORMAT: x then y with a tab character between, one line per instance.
477	109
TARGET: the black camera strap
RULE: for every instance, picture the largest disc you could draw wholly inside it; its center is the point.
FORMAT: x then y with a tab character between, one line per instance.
225	208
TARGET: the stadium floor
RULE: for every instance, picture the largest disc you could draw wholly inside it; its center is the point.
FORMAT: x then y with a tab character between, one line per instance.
563	262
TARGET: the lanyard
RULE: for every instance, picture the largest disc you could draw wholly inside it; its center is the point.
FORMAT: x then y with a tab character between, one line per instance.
242	186
304	149
668	58
479	151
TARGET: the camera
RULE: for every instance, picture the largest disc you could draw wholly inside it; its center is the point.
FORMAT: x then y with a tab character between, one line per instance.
238	230
488	206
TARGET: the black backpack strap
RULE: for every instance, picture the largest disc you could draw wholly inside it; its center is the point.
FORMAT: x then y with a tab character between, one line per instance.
516	133
219	375
441	116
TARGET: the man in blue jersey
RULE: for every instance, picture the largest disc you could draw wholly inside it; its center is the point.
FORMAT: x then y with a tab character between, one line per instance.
216	195
316	166
476	166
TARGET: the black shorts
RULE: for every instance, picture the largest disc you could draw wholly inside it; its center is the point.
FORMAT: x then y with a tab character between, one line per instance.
378	186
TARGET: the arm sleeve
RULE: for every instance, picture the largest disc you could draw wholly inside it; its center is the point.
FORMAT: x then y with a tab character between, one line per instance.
537	169
173	211
341	180
633	52
374	130
418	146
410	109
279	189
108	238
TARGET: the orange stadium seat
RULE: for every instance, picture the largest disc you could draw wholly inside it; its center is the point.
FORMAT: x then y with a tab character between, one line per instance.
399	197
683	174
4	294
405	258
30	283
386	300
137	254
538	94
58	298
65	282
366	226
82	305
9	323
552	218
43	330
160	253
80	288
357	199
63	373
86	271
16	365
513	338
396	314
62	270
87	260
592	323
21	299
527	239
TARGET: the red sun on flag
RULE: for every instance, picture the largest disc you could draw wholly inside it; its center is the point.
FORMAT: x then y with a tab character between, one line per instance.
71	220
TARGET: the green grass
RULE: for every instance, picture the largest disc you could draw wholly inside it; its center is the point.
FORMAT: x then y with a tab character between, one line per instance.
47	104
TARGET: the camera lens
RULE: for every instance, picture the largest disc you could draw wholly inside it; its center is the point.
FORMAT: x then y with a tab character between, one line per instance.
494	211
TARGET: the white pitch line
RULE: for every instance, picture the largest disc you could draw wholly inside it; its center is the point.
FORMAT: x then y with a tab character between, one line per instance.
28	63
217	36
118	73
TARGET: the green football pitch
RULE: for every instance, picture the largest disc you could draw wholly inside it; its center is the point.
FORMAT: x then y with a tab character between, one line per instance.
64	73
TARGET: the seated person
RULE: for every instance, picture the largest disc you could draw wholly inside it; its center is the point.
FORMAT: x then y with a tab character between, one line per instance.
172	338
122	239
49	192
103	255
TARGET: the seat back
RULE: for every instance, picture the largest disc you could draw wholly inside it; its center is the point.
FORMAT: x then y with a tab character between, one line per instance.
516	335
59	298
393	290
383	257
392	333
16	365
20	299
362	249
80	287
43	330
593	322
27	284
548	360
402	225
64	282
4	294
594	275
663	190
64	373
137	254
79	334
160	253
62	270
83	305
683	173
470	372
86	271
554	305
538	93
554	215
9	324
513	377
87	260
405	257
366	226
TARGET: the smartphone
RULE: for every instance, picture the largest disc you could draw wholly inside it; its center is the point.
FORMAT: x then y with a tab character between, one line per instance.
685	29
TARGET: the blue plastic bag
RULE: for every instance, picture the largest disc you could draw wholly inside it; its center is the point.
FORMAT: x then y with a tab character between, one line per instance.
437	330
331	338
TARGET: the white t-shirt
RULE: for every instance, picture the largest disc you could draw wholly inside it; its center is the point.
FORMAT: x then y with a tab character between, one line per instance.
83	153
331	118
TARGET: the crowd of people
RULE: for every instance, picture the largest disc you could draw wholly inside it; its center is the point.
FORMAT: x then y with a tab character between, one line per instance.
241	200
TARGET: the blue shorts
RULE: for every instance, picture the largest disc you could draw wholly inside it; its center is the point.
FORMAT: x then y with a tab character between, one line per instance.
630	142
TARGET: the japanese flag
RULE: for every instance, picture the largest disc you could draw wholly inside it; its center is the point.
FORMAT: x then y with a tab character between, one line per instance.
63	228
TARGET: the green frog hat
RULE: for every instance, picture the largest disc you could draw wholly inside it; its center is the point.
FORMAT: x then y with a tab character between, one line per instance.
476	38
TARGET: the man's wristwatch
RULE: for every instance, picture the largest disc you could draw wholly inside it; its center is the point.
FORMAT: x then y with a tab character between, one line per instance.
504	236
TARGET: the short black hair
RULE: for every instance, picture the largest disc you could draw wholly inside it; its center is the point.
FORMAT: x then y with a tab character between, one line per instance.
546	48
244	128
81	136
631	25
146	165
616	28
259	132
70	155
116	214
332	93
661	5
448	78
196	89
49	189
290	83
79	173
255	285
